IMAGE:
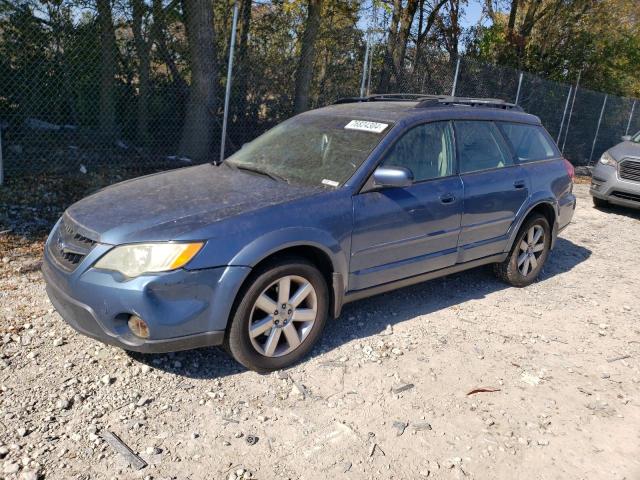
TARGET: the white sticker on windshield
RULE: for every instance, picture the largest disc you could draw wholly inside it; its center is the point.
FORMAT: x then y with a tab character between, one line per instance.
366	126
331	183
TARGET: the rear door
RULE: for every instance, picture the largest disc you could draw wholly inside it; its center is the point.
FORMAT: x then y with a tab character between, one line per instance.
402	232
495	188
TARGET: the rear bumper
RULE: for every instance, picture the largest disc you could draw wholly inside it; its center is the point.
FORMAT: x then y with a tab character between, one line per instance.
183	309
607	185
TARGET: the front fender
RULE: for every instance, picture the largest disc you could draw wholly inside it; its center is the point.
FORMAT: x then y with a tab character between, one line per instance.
277	240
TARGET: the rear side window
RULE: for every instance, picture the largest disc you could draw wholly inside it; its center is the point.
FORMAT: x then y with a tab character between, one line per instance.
529	142
481	146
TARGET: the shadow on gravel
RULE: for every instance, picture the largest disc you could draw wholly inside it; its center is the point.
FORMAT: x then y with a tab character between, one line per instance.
620	210
371	316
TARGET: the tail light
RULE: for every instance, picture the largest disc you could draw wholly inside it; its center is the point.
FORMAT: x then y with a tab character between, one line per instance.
571	171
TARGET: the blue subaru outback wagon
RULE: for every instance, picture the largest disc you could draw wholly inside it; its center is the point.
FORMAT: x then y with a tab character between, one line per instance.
331	206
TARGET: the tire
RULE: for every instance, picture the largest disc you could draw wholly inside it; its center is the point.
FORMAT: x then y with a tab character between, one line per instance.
510	271
599	202
271	346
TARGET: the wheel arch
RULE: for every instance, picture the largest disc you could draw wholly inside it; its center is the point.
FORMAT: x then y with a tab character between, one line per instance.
546	207
316	247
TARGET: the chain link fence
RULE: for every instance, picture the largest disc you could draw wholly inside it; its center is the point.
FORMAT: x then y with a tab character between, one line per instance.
61	113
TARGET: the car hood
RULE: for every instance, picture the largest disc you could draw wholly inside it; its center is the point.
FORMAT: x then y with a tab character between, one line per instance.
625	149
175	205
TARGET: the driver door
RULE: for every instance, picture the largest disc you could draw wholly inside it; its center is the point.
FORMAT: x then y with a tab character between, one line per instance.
403	232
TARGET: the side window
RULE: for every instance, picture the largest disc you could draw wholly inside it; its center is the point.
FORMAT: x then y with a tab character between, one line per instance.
481	146
529	141
426	150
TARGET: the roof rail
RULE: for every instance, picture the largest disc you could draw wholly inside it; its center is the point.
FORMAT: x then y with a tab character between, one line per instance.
382	97
439	101
425	101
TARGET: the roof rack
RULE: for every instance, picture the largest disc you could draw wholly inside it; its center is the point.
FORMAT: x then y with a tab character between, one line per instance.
438	101
426	101
385	97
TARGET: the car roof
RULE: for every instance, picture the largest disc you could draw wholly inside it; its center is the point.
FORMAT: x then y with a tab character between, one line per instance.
398	110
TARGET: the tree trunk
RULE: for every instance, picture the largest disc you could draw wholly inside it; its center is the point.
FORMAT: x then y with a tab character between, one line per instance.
142	51
197	133
107	68
304	73
242	58
387	66
406	19
423	33
159	28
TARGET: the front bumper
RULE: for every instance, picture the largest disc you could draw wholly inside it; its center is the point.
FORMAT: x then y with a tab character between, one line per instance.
183	309
606	184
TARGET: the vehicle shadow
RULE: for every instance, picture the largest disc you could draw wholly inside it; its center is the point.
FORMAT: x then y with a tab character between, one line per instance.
371	316
620	210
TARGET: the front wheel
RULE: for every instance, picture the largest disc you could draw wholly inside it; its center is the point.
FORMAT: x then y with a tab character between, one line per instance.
280	316
528	254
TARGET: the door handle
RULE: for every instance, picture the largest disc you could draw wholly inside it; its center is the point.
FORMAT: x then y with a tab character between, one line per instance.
447	198
519	184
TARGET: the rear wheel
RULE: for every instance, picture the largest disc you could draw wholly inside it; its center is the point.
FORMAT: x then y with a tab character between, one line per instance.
599	202
280	316
528	254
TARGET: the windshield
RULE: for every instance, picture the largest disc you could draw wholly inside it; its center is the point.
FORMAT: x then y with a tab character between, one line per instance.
636	138
312	149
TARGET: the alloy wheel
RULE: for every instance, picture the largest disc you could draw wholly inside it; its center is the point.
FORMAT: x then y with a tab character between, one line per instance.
282	316
530	249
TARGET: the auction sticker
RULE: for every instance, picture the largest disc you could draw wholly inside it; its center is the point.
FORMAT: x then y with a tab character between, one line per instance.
365	126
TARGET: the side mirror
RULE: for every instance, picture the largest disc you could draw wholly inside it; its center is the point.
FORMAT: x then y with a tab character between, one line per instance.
626	138
392	177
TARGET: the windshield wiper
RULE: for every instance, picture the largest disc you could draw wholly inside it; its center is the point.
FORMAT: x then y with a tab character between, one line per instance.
272	176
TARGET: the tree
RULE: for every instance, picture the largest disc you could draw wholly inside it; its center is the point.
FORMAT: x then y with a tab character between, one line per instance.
304	72
197	133
107	69
142	50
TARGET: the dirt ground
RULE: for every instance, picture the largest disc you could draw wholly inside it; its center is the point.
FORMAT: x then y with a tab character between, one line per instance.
385	395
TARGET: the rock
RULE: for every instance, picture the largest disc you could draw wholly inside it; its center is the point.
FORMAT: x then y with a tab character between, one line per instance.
402	387
29	475
63	404
421	426
297	391
387	331
400	427
22	432
106	380
145	369
58	342
4	451
11	467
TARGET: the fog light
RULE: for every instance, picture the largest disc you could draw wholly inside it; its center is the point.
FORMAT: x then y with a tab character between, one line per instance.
138	327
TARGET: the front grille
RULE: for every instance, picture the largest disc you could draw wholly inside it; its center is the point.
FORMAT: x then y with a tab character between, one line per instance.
630	170
68	247
626	196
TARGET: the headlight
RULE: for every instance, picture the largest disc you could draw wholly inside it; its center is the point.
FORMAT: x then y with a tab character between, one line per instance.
136	259
607	159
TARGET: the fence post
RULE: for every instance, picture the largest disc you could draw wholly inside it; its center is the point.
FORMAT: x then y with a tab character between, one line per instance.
633	107
455	78
227	95
595	137
564	114
370	68
365	66
519	85
1	163
573	102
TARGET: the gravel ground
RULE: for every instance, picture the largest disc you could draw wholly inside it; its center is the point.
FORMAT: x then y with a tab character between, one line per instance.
387	393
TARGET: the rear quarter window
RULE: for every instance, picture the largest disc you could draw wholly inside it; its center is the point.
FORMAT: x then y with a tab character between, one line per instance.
530	142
